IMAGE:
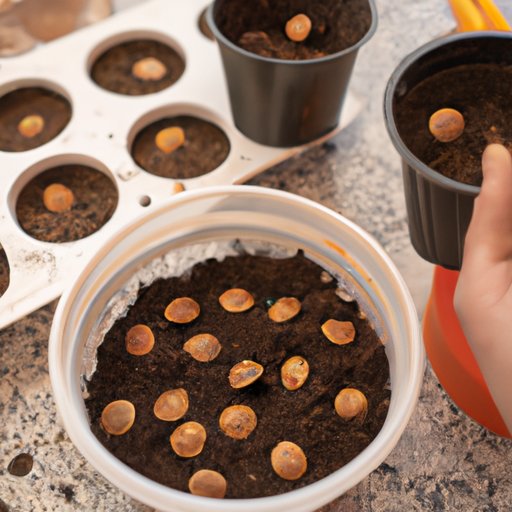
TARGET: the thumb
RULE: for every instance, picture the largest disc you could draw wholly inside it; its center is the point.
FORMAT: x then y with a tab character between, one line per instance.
489	236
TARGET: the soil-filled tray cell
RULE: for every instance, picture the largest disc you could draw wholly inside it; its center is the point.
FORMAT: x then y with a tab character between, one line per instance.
203	148
90	199
4	271
31	117
137	67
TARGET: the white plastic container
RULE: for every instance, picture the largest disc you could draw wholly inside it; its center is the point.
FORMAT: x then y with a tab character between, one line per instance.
225	213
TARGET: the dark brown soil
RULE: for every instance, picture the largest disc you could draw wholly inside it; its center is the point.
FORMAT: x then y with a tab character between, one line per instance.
15	105
112	70
481	93
306	416
206	147
4	272
336	25
95	201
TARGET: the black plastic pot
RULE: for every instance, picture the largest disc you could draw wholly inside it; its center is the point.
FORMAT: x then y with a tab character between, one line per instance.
439	209
285	102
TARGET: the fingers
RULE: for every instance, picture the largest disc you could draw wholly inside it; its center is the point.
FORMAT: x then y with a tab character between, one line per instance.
489	236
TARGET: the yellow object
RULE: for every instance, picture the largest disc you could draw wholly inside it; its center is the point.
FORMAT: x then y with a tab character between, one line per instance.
472	15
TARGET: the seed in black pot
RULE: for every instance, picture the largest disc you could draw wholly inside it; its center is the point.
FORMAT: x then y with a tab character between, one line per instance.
446	125
298	28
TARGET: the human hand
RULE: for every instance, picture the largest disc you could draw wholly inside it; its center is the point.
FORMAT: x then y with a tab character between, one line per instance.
483	297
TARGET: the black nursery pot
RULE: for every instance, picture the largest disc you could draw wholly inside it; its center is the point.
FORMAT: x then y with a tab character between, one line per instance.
280	102
439	208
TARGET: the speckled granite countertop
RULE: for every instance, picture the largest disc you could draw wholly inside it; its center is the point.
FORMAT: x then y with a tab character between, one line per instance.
444	461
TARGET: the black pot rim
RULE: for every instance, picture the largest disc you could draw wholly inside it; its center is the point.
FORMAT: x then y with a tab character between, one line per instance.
406	154
333	56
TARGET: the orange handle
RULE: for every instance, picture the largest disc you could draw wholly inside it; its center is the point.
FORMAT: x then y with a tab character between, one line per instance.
474	15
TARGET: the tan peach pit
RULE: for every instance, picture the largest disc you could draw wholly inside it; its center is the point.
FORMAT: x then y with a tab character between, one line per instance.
139	340
171	405
236	300
203	347
58	198
182	310
118	417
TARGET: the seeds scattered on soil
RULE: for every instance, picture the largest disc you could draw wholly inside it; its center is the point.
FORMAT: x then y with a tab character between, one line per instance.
30	126
149	69
182	310
244	373
284	309
171	405
21	465
294	373
58	198
446	125
288	460
203	347
118	417
298	28
170	139
351	404
188	439
139	340
238	421
338	332
236	300
208	483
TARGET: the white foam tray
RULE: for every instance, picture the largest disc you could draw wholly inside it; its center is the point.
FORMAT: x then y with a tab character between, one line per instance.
101	130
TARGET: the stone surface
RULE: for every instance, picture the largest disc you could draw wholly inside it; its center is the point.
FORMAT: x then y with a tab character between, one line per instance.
443	461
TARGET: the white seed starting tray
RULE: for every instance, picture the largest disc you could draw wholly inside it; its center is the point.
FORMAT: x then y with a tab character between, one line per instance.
100	132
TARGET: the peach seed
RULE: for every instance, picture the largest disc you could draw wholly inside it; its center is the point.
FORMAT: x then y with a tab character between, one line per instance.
236	300
139	340
238	421
188	439
170	139
244	373
298	28
182	310
208	483
203	347
284	309
58	198
118	417
339	333
446	125
171	405
288	460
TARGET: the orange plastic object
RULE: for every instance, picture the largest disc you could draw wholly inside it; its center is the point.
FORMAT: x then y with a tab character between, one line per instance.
451	357
478	15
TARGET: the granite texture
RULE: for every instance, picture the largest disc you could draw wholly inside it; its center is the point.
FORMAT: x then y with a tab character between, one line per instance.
443	461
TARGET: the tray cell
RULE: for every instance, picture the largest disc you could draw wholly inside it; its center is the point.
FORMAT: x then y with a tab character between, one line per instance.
4	271
206	145
136	63
39	207
32	113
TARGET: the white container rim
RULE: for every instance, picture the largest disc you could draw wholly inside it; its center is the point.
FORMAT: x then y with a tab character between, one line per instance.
64	366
